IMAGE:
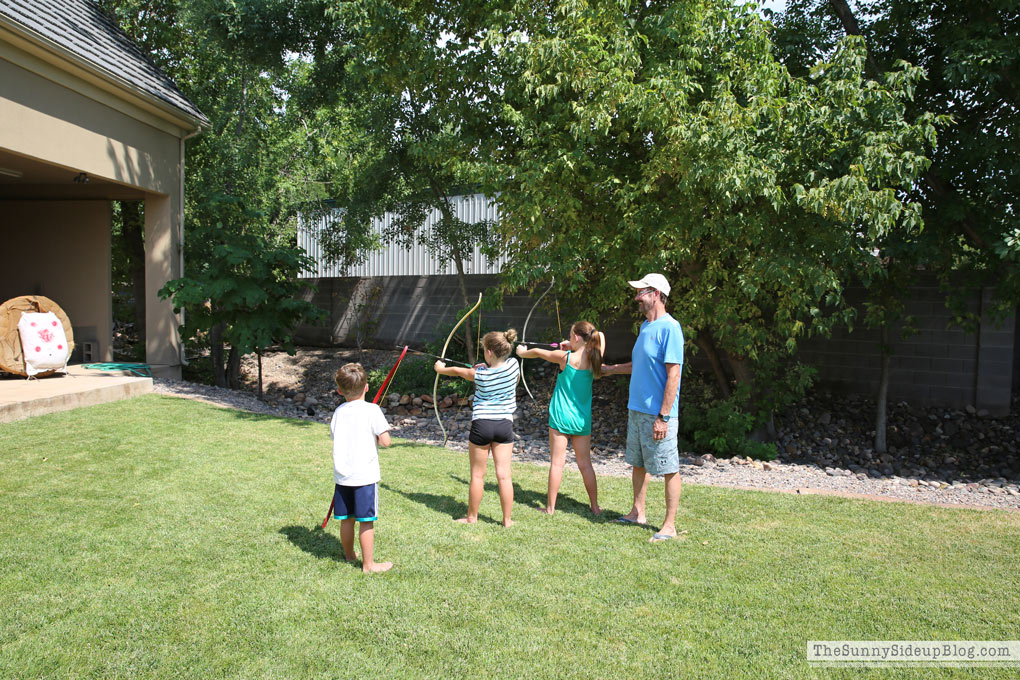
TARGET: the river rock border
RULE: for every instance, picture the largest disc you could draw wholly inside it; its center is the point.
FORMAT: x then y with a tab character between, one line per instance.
412	418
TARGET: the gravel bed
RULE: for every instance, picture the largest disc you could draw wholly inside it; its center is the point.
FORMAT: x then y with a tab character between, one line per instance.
938	456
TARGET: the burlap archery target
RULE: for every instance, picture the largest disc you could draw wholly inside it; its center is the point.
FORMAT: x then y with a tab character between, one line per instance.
12	359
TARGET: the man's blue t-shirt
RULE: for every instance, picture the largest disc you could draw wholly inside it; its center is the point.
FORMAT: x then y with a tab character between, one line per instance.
659	342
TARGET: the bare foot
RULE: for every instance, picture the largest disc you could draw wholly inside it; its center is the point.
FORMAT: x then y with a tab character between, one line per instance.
667	535
466	520
508	523
376	567
350	558
631	518
547	511
596	510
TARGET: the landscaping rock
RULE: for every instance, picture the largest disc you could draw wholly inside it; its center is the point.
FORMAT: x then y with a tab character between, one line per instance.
956	452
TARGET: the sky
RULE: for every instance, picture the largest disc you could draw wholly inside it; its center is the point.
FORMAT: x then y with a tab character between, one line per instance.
774	5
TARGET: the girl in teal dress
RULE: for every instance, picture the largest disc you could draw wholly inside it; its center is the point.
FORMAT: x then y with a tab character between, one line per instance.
580	362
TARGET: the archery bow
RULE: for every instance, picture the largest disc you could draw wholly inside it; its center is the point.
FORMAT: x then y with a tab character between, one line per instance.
524	334
378	395
446	345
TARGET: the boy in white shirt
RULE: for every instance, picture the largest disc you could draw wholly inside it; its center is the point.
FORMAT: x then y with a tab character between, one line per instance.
357	427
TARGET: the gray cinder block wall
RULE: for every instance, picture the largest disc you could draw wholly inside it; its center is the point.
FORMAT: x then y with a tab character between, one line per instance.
402	310
938	365
1016	352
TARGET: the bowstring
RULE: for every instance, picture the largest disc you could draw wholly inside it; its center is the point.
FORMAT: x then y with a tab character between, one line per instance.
478	340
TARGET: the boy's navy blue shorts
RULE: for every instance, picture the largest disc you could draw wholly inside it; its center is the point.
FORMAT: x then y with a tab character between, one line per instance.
359	502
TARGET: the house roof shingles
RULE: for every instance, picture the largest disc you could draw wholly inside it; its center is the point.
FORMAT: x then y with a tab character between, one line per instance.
81	28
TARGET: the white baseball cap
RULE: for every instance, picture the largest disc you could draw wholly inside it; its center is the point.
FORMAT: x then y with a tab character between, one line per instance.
656	281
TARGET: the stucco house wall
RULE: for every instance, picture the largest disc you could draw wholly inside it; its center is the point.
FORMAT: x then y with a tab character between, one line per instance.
86	119
61	249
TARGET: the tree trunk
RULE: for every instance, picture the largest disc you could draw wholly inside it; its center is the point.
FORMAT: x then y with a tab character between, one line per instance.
881	401
359	319
850	25
234	369
261	396
941	188
743	372
448	217
704	340
216	354
469	339
134	240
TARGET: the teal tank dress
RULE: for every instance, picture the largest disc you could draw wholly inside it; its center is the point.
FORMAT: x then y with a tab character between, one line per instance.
570	406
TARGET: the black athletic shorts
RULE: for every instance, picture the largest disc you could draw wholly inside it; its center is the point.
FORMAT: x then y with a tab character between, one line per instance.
485	432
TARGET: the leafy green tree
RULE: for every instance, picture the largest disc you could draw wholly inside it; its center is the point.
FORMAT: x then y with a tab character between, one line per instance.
426	63
411	87
970	54
127	265
667	137
246	286
247	176
153	27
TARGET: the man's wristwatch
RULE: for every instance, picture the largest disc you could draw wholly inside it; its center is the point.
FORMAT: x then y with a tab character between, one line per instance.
663	418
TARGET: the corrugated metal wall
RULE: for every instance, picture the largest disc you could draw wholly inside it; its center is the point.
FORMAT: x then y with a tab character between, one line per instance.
392	260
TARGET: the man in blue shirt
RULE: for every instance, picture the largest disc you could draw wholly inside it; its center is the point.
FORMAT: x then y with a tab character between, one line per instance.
654	369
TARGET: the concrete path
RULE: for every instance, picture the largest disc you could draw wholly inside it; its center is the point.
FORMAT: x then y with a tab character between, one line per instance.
22	398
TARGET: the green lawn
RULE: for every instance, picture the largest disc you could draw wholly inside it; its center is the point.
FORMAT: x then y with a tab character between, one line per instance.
160	537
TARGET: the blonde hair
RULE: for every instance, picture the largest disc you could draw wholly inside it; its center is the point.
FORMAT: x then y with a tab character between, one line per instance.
499	343
350	379
587	332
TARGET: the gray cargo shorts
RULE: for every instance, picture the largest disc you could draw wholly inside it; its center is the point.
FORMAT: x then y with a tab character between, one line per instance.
658	457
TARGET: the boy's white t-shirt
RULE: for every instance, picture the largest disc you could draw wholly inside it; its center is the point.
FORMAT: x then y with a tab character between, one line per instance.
354	429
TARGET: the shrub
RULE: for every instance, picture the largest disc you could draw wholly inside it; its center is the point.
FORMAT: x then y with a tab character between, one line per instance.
724	426
416	376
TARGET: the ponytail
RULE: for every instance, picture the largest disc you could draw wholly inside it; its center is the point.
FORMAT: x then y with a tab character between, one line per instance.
499	343
590	335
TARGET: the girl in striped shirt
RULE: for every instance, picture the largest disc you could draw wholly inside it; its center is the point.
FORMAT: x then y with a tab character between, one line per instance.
492	419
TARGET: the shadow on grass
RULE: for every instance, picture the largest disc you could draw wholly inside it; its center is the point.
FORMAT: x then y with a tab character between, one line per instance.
536	499
265	417
317	542
442	504
248	416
